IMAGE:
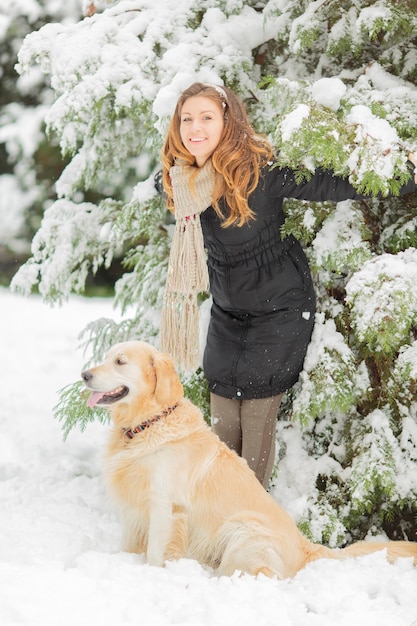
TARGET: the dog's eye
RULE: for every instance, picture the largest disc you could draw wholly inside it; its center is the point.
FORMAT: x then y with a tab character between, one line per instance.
120	361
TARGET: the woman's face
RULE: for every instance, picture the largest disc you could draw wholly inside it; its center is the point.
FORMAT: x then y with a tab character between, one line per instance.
201	127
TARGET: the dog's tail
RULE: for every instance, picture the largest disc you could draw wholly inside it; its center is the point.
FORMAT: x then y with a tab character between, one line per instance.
394	549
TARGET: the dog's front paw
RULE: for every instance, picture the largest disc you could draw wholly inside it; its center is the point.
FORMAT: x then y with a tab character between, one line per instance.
155	556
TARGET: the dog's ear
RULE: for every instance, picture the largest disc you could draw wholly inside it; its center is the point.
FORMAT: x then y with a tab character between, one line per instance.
168	388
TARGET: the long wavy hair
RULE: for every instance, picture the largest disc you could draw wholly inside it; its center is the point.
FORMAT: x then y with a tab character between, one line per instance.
238	158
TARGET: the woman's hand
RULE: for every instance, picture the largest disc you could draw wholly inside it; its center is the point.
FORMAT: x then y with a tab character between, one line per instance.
412	157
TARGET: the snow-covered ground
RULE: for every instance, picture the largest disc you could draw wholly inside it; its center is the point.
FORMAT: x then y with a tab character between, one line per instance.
59	558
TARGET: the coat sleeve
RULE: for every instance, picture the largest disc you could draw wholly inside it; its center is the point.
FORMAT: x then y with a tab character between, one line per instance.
158	182
323	185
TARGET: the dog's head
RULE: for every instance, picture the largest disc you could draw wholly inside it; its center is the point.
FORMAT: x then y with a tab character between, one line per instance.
136	376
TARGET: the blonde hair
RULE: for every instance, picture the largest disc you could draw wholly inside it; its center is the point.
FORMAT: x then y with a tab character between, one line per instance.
237	159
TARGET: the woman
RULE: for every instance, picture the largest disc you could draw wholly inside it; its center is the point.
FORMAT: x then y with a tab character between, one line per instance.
227	199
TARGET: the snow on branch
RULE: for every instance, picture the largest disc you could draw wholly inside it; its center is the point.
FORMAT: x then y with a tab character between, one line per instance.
382	297
328	377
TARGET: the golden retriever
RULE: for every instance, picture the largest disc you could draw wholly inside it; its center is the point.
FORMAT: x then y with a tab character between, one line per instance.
183	493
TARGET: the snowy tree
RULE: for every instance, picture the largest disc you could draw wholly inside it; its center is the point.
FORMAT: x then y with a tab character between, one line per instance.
29	161
333	84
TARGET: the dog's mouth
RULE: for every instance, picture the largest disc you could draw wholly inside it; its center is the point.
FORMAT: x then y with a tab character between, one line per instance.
107	397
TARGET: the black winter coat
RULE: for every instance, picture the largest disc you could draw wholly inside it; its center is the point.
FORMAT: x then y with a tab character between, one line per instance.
263	307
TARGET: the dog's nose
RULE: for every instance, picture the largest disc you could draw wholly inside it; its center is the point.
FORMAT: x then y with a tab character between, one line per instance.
86	376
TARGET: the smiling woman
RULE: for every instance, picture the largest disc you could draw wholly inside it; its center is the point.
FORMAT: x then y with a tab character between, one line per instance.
201	127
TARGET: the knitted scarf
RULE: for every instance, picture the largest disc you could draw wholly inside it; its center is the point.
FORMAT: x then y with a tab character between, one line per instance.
187	266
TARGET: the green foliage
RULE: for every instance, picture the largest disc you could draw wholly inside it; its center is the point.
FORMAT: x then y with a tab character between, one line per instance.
321	136
339	35
401	235
391	24
323	524
348	138
72	409
373	476
29	164
303	219
382	297
328	378
68	246
342	245
99	335
196	389
402	386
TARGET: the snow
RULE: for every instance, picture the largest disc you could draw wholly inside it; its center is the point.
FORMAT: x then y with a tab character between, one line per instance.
389	280
293	121
340	243
59	558
12	221
329	92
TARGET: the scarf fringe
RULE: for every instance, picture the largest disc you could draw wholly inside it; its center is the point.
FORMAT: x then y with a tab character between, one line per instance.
187	253
180	330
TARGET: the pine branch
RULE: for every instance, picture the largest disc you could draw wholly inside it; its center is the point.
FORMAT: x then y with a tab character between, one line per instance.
72	409
327	381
